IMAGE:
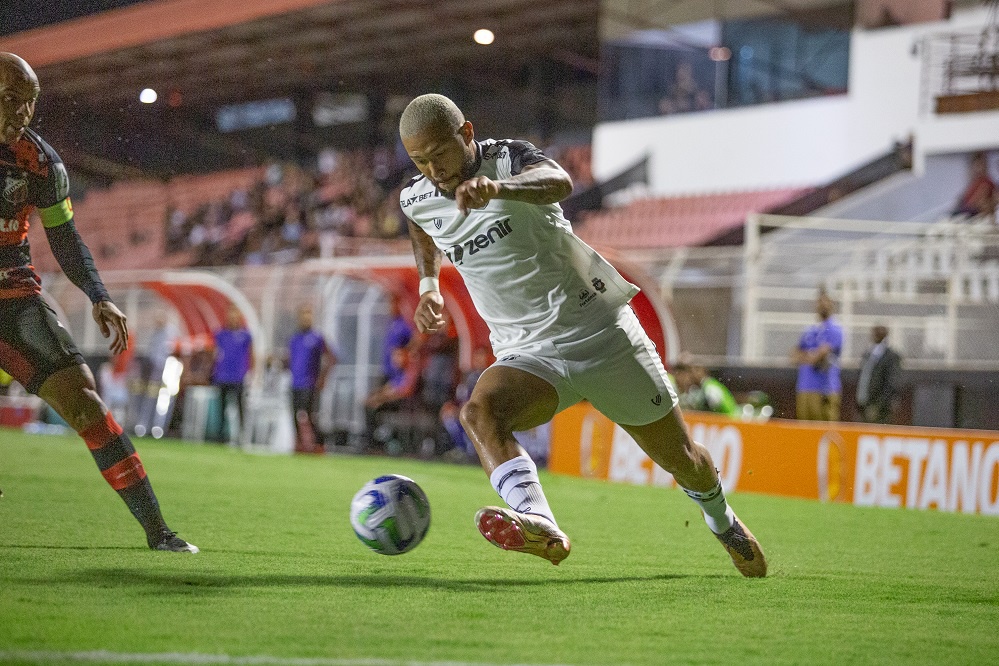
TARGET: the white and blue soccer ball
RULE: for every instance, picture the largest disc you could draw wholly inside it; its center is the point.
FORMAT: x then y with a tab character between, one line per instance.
390	514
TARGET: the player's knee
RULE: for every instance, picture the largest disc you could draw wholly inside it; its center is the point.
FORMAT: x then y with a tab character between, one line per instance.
82	410
478	414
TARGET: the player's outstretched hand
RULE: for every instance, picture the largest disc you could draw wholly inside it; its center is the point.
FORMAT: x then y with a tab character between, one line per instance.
109	318
475	193
429	316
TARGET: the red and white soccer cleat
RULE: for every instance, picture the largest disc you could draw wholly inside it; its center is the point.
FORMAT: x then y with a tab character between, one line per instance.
523	532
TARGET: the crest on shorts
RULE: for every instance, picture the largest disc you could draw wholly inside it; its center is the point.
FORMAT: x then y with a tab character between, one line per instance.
438	222
598	284
15	190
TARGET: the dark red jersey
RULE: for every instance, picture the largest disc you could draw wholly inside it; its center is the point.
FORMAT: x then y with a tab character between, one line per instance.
32	177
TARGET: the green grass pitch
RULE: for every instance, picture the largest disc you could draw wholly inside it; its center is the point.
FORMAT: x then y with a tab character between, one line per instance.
282	579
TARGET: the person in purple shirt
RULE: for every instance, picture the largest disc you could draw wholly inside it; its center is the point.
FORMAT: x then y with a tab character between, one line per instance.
819	390
233	360
398	335
310	359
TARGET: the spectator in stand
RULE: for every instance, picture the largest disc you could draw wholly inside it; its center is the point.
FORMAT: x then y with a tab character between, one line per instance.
400	370
437	385
819	391
310	360
685	94
233	360
394	395
980	196
398	335
878	385
698	390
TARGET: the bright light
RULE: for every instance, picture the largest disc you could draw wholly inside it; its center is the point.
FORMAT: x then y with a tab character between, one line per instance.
147	96
483	36
719	53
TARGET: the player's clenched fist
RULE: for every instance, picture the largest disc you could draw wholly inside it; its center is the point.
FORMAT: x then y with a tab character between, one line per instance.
429	315
475	193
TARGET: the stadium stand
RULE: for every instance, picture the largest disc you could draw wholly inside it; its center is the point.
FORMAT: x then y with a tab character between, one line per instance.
676	221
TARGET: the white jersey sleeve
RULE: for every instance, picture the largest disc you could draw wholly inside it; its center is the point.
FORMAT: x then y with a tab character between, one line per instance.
530	277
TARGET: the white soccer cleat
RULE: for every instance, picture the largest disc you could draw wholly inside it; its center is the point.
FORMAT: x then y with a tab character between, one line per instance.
523	532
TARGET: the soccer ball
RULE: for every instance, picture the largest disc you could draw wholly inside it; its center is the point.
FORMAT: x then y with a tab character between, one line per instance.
390	514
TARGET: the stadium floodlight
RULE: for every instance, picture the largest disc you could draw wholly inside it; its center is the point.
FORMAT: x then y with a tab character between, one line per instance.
147	96
483	36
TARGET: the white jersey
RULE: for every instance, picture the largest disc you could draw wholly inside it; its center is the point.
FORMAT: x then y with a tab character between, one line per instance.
530	277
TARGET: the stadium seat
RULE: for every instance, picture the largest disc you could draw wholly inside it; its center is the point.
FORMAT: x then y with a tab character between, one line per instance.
676	221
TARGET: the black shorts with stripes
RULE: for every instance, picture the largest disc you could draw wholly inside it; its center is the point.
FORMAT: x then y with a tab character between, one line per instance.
33	344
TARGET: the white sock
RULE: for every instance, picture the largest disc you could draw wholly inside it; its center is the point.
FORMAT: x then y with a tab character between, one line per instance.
717	513
516	481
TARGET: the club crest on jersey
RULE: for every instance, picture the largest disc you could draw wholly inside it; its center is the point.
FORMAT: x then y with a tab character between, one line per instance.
15	190
456	253
438	222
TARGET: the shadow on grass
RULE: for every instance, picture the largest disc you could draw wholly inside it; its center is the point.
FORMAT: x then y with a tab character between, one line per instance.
4	546
187	583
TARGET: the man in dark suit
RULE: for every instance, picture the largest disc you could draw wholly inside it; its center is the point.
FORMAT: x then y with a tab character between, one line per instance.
878	383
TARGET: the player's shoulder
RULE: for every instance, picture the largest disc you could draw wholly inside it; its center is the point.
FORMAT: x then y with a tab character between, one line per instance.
417	184
493	148
46	154
34	154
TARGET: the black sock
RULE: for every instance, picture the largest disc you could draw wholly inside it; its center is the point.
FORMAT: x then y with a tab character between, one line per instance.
120	465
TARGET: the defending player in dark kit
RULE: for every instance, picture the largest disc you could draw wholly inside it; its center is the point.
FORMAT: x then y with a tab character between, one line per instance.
34	347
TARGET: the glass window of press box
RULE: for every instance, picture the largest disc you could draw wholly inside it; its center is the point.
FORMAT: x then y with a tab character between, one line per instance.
724	64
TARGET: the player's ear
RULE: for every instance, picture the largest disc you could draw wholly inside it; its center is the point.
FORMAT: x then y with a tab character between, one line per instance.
467	132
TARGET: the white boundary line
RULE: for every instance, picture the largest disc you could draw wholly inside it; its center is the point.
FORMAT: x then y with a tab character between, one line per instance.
108	657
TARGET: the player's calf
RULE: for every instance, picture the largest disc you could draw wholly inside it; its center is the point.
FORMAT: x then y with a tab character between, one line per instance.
121	467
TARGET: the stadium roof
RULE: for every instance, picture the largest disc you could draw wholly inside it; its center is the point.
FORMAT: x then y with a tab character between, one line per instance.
226	50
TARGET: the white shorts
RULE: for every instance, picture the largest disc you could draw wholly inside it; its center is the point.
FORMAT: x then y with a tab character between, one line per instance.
614	365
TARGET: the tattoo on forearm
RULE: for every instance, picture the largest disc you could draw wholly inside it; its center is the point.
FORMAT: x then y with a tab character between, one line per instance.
537	186
428	257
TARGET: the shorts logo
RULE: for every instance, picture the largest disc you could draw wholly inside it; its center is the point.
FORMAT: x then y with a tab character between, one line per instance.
15	190
438	222
585	297
599	285
511	357
498	231
658	400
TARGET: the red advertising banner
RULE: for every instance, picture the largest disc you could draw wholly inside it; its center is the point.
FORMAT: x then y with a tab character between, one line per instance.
916	468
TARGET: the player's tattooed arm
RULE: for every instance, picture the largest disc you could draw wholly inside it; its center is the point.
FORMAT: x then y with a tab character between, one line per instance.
429	314
428	257
541	183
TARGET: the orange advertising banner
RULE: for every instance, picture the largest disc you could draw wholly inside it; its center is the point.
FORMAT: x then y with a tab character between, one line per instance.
867	465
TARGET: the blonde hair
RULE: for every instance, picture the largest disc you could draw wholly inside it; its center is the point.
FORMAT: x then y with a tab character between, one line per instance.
428	112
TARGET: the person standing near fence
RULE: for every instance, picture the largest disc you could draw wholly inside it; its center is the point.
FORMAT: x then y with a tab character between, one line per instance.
233	360
310	360
819	391
878	384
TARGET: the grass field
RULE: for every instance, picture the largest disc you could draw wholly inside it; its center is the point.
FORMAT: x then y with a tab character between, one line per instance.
281	578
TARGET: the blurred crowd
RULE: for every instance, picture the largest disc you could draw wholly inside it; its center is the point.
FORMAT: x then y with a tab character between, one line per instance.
296	212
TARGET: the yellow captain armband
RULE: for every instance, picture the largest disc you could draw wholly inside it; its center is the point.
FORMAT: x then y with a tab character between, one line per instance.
53	216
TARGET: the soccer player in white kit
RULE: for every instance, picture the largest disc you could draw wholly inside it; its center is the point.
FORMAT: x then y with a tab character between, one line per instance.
559	321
